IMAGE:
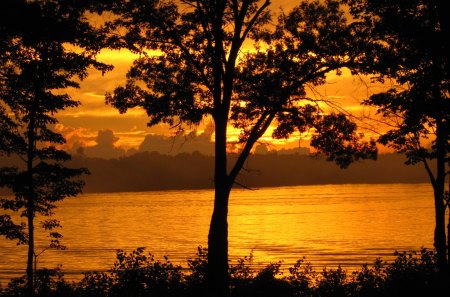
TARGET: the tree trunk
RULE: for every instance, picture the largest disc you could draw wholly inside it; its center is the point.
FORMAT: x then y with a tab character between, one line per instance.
30	204
440	242
30	259
448	223
439	231
448	234
218	278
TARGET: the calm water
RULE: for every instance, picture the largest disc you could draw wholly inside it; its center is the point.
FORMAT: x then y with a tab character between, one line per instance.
330	225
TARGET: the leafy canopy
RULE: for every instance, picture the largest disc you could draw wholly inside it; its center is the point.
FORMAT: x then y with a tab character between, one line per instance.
39	60
177	78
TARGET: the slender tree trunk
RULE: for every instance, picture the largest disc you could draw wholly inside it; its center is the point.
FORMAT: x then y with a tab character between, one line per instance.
218	278
30	258
440	242
448	223
448	235
439	231
30	205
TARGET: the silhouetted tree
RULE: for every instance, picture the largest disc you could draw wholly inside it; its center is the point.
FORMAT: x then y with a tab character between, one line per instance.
198	69
413	39
46	47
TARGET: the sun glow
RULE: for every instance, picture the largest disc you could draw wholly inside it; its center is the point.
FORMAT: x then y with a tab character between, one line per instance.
343	92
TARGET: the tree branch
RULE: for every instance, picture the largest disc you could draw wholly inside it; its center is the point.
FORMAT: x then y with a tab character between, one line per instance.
257	131
254	19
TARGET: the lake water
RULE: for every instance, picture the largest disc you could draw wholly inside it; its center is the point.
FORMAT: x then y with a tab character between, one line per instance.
328	224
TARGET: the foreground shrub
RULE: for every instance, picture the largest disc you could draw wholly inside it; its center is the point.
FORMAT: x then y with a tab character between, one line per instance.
195	278
134	274
267	282
332	283
48	283
415	275
138	274
95	284
302	278
369	281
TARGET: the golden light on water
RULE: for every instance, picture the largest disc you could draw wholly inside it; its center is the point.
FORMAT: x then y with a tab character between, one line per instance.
328	224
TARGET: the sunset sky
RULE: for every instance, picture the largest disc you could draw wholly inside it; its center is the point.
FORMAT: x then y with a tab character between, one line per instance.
260	216
81	125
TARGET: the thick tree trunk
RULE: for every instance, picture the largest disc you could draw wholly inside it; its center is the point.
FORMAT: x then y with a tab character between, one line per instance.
218	278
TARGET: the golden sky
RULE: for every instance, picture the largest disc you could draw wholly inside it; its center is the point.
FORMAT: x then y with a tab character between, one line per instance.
81	125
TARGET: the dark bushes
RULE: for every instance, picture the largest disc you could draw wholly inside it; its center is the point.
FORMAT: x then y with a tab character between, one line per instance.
138	274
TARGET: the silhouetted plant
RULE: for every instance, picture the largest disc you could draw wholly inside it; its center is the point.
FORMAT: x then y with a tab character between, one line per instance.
332	283
268	282
196	277
302	278
241	273
16	287
50	282
138	274
369	281
412	275
413	50
47	283
199	72
95	284
52	50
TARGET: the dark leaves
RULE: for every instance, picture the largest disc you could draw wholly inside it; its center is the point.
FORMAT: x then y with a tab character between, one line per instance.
337	139
45	47
333	135
413	50
166	88
13	231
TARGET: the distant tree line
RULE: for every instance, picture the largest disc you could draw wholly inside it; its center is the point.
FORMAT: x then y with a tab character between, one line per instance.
149	171
154	171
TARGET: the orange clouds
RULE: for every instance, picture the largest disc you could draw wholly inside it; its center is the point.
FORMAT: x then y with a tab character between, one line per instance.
81	125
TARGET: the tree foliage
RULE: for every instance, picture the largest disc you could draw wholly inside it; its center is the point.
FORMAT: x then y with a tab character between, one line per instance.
195	62
413	50
40	57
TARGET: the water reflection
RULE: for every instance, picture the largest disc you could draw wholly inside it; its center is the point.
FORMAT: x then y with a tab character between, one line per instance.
330	225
